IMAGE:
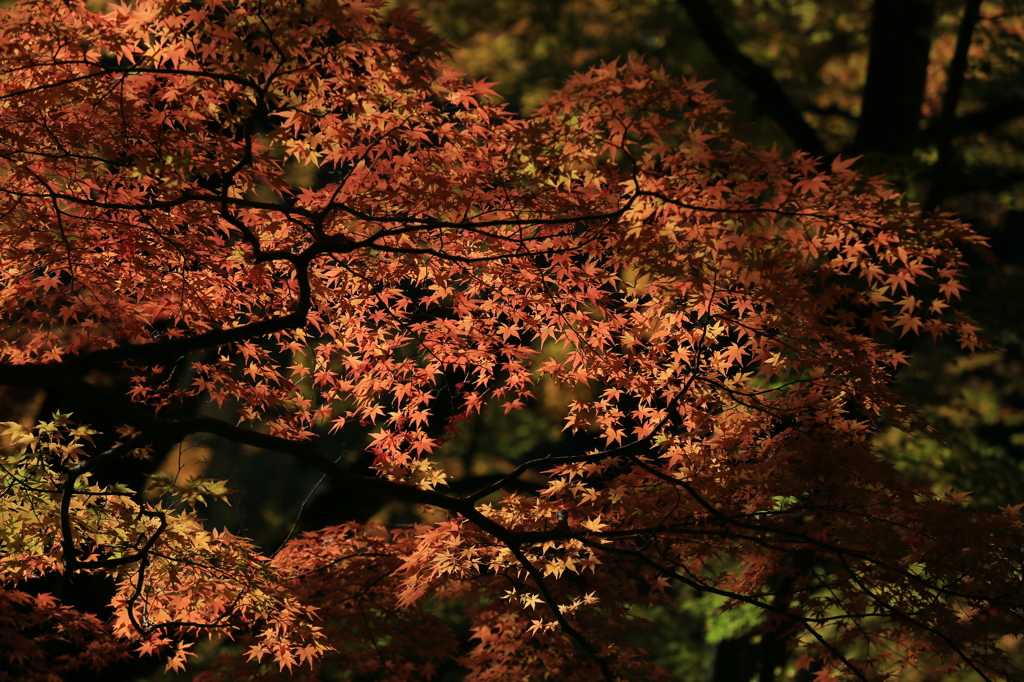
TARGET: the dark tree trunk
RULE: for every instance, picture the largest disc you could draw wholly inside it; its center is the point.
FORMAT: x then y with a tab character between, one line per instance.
742	660
773	655
954	85
897	69
734	660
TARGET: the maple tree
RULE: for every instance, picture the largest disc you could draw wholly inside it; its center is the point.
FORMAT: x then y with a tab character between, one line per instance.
296	210
821	76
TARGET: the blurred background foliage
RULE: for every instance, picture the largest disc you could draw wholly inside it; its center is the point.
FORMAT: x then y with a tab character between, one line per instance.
797	75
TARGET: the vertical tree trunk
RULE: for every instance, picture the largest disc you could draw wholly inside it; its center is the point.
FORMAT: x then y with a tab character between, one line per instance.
773	655
741	660
897	69
734	660
954	85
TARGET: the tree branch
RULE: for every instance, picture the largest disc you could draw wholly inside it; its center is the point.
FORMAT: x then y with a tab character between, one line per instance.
954	86
770	95
82	396
994	116
70	552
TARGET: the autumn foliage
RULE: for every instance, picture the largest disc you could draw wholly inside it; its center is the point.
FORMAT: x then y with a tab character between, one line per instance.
297	210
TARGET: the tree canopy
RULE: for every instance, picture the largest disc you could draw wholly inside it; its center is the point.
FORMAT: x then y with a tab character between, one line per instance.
291	226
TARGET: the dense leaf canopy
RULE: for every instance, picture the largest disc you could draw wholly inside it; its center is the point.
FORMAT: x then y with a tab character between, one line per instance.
296	210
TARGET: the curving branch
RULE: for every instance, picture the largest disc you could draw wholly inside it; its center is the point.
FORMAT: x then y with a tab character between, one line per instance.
769	92
70	552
